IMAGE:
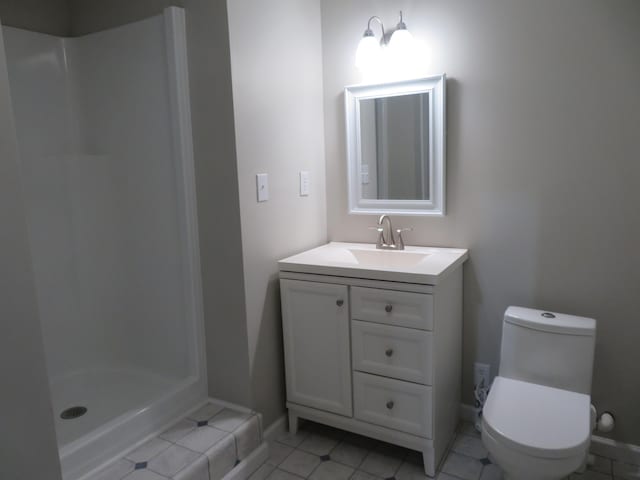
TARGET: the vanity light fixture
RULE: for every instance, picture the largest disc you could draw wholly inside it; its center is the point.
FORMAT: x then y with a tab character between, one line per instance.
370	50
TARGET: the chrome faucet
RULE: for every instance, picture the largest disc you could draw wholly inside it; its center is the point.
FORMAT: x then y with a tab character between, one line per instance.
386	239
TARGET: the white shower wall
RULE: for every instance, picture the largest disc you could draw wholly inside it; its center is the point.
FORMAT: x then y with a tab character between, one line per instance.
94	125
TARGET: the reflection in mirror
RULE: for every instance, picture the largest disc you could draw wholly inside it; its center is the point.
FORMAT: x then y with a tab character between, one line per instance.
395	147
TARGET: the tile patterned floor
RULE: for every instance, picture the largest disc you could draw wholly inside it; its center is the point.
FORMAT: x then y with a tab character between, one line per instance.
318	452
205	445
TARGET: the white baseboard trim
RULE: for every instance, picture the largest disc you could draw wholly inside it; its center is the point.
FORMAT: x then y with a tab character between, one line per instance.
246	467
605	447
276	429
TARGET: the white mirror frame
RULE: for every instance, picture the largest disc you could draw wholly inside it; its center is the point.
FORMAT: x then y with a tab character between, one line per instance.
435	87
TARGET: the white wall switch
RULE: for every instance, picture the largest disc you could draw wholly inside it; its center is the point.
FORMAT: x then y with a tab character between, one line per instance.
262	184
304	184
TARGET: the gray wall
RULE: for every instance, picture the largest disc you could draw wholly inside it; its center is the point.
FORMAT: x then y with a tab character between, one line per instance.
543	171
25	399
276	64
45	16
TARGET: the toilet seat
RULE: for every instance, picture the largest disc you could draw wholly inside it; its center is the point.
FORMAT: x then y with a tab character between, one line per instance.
536	420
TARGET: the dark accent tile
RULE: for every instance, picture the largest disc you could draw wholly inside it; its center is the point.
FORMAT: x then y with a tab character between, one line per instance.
485	461
203	423
237	462
140	465
325	458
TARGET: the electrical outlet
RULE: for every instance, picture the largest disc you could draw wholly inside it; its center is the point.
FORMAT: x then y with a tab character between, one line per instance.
482	371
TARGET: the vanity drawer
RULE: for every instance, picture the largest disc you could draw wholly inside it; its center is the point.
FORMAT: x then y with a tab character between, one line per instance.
404	309
393	404
396	352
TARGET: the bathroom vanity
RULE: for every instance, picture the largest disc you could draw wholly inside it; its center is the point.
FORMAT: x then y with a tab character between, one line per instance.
372	342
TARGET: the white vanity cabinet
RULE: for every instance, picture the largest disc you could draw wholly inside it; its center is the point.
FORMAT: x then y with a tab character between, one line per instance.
375	357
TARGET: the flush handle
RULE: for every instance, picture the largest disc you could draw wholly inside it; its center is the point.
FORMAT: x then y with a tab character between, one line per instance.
388	308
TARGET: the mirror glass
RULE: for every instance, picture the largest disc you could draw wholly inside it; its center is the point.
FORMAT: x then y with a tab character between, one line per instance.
395	137
395	147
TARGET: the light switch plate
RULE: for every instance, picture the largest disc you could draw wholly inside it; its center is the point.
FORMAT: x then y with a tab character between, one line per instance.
304	184
262	185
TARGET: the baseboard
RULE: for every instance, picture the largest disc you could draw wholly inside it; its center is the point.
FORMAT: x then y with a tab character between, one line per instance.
277	428
622	452
605	447
246	467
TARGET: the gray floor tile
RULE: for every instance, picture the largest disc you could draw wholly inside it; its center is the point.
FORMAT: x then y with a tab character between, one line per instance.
248	437
360	475
278	474
263	472
601	464
411	471
291	439
491	472
144	475
318	444
300	463
381	465
116	471
148	450
331	471
470	446
591	475
466	468
202	438
172	460
179	430
228	420
198	470
467	428
349	454
222	457
206	412
278	452
626	471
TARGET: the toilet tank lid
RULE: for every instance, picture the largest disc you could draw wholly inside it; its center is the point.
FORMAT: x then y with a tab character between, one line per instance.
550	321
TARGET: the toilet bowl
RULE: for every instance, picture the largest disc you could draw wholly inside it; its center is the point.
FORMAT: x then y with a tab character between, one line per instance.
536	422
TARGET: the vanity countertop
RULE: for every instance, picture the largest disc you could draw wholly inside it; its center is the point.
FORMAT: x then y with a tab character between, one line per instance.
423	265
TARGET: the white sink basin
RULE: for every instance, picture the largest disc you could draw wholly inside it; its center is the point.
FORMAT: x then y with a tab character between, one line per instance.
424	265
387	258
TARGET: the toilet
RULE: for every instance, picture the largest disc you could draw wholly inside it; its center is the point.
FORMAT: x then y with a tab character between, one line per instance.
536	421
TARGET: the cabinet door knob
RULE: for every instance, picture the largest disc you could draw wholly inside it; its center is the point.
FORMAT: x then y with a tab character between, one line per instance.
388	308
339	302
388	352
390	404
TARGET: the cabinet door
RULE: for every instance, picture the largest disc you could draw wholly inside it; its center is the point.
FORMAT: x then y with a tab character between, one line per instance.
315	324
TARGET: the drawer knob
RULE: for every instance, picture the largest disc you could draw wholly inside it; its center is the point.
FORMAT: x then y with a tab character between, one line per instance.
388	308
389	352
339	302
390	404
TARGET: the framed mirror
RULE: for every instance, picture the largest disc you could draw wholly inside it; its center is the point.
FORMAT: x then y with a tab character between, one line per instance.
396	147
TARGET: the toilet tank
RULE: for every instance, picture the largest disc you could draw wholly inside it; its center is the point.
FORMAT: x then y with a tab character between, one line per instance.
548	348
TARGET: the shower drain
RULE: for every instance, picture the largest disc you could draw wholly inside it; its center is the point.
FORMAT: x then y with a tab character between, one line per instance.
73	412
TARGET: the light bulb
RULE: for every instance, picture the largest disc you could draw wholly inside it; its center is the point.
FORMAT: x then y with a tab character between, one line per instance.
368	52
401	42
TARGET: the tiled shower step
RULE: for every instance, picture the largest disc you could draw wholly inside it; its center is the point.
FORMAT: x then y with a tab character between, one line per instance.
206	445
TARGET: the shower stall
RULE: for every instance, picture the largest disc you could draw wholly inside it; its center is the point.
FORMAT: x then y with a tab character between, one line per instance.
104	134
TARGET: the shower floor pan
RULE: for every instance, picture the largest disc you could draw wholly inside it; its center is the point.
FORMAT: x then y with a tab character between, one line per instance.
108	410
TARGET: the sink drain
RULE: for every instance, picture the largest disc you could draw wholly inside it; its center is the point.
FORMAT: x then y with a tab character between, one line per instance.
73	412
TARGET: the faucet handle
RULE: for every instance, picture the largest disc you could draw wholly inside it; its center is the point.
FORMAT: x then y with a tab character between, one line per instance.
400	240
